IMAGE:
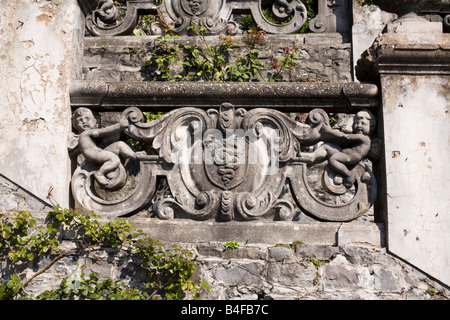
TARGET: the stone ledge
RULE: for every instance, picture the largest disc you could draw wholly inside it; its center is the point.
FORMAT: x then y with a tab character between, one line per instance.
146	41
256	232
117	95
270	232
242	232
398	54
372	234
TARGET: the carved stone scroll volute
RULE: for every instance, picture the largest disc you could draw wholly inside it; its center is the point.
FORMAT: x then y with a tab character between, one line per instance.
113	179
282	10
345	156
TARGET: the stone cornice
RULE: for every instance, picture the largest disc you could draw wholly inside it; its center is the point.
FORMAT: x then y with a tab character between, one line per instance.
286	96
405	54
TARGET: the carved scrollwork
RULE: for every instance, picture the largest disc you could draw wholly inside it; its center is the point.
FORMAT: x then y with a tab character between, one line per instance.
215	16
106	12
251	207
330	15
282	10
133	196
111	179
104	20
226	164
325	21
446	21
203	208
365	185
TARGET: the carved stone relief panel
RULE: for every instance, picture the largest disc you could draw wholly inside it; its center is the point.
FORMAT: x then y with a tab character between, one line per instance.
224	164
214	15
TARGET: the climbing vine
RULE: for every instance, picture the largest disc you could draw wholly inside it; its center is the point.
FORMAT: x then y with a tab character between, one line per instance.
172	61
168	271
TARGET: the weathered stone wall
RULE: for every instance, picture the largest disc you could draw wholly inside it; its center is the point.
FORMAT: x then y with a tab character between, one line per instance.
310	272
321	57
353	267
14	197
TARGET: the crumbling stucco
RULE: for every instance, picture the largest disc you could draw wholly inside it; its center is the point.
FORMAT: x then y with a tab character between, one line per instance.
39	41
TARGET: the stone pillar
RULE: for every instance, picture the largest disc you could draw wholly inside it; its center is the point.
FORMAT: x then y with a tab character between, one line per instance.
368	23
41	50
412	61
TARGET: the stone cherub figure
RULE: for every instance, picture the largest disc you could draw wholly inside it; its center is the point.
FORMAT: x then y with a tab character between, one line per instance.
100	146
344	150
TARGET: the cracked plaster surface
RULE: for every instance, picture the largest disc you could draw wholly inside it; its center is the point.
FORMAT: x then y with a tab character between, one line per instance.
36	66
417	151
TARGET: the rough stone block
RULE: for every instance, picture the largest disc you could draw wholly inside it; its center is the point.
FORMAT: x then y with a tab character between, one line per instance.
244	274
339	276
416	26
280	253
210	249
247	252
372	234
357	255
320	252
14	197
290	274
126	54
385	279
